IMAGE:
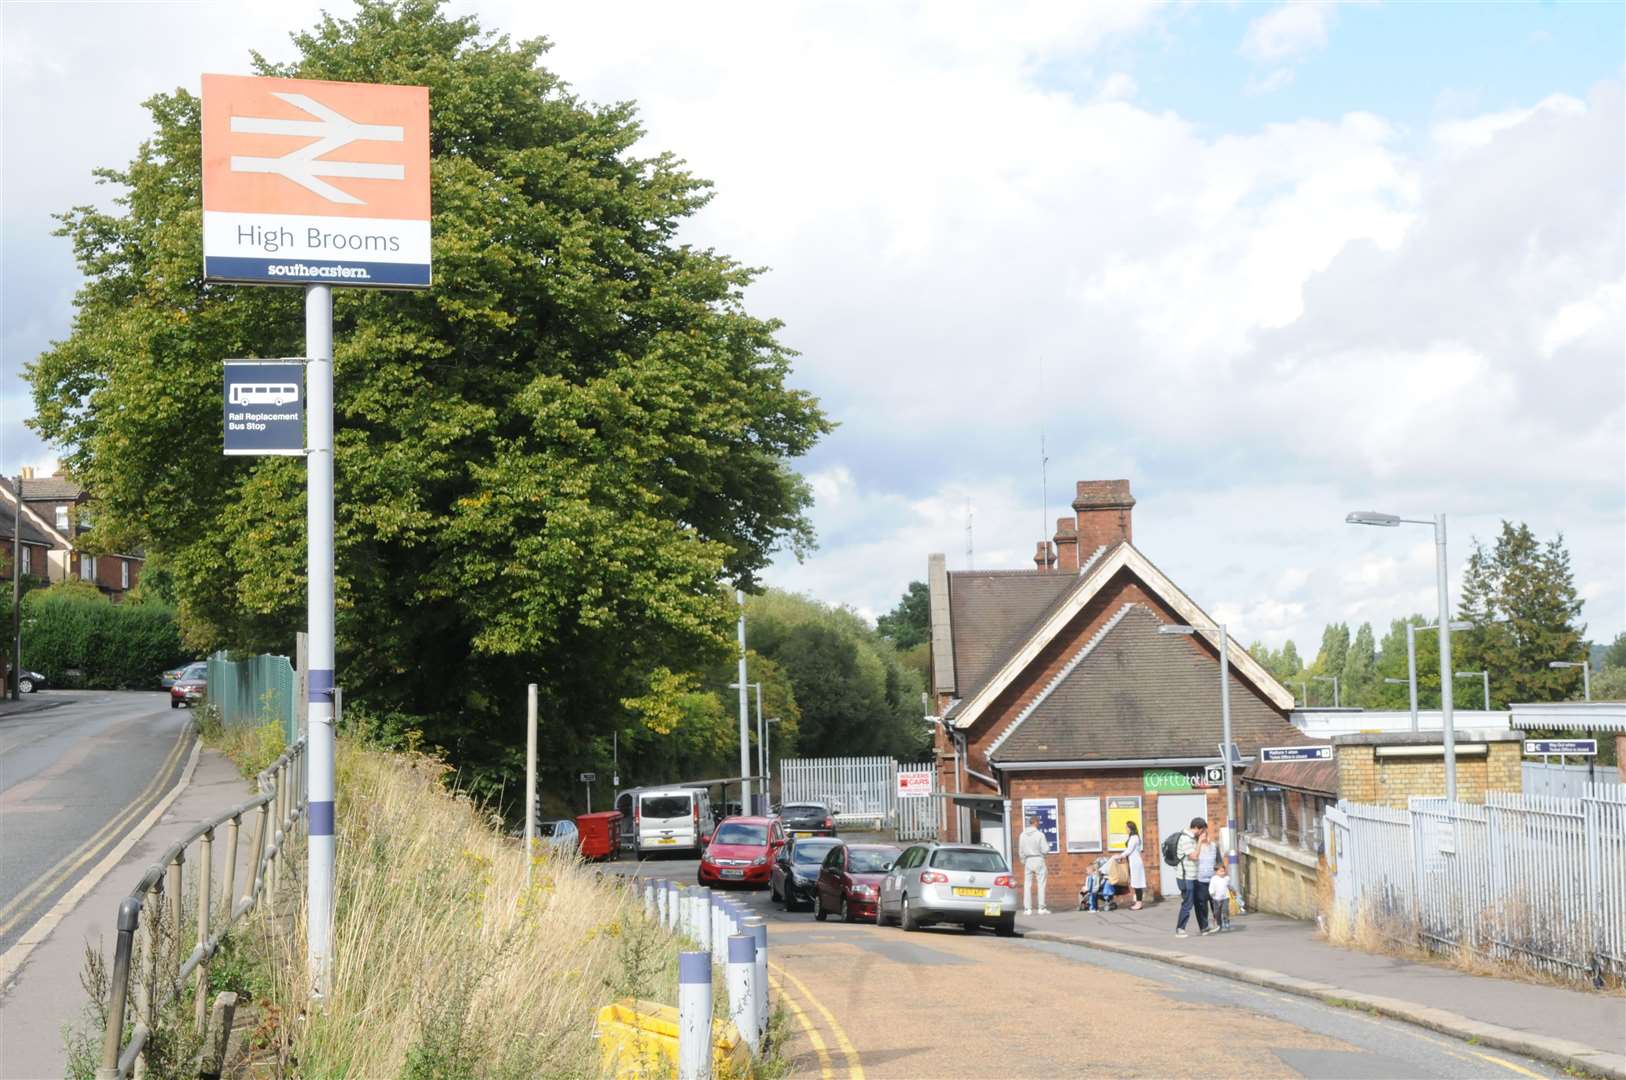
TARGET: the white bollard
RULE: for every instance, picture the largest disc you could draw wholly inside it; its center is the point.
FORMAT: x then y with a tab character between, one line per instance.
757	927
702	920
672	896
742	1008
649	899
719	932
663	895
694	1015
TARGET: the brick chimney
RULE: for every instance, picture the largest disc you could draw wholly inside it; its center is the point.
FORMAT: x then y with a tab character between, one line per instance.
1067	545
1104	509
1044	556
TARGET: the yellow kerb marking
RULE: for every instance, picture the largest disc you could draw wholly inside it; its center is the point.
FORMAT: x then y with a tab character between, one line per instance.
1521	1070
855	1070
812	1035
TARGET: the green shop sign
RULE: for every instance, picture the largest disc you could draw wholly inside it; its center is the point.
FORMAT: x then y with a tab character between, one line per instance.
1196	778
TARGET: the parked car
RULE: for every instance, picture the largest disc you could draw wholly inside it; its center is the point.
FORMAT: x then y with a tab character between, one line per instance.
557	834
189	689
796	869
167	679
960	883
849	881
808	819
741	852
31	681
664	819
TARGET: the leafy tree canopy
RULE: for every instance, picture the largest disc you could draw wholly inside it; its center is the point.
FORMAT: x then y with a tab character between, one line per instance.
910	623
546	465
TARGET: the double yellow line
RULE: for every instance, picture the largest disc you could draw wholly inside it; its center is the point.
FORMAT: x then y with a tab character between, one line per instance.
55	877
855	1069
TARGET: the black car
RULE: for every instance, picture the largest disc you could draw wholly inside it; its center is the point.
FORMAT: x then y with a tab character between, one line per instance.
31	681
795	876
808	819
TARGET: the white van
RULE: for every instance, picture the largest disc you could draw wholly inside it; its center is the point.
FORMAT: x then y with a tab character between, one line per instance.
665	819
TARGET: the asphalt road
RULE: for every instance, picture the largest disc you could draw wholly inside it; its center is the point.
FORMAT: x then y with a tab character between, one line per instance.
877	1002
74	779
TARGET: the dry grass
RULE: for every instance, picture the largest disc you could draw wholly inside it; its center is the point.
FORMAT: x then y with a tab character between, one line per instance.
444	964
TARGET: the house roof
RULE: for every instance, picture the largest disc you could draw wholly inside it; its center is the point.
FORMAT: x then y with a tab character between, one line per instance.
31	532
1008	626
51	489
47	533
1131	687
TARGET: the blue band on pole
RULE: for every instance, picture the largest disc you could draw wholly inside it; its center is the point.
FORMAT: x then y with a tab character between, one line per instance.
694	967
321	818
742	949
319	683
759	934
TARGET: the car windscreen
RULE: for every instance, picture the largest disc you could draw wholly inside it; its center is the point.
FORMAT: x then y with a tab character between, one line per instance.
804	810
195	671
804	853
667	806
546	828
737	832
967	859
860	861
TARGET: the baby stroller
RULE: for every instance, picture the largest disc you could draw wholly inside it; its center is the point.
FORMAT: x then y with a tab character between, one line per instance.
1097	892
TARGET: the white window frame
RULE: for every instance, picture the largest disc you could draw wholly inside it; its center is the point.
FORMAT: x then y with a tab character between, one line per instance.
28	560
87	567
124	573
1082	819
61	518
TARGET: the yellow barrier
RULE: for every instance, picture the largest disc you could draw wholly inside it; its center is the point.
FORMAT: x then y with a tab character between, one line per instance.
638	1040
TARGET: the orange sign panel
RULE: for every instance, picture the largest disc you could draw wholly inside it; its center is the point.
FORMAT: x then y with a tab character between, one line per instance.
308	181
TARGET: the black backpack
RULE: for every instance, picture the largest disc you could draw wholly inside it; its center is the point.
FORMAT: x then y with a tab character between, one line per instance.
1171	849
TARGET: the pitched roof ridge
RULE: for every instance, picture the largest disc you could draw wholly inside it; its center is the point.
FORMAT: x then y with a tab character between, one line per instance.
1061	676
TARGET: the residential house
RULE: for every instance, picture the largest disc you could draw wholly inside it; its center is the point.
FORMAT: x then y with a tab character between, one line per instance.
62	508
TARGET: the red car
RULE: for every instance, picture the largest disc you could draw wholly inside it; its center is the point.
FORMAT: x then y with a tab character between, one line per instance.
190	687
741	851
850	881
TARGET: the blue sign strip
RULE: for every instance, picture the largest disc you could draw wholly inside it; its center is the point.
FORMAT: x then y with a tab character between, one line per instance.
1577	747
258	271
1295	753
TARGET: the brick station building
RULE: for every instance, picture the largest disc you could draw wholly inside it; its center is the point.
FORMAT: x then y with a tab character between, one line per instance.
1056	692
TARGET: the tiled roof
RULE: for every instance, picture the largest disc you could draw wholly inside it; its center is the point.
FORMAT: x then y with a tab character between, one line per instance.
993	613
31	534
51	489
1138	689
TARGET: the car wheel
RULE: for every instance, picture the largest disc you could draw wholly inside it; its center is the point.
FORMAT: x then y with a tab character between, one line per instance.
969	927
846	911
906	918
26	685
1006	927
818	907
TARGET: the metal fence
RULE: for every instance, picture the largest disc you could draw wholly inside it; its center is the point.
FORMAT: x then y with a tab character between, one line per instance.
157	972
252	692
1538	881
1564	781
861	790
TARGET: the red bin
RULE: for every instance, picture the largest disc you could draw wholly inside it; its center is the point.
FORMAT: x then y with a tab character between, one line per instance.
600	834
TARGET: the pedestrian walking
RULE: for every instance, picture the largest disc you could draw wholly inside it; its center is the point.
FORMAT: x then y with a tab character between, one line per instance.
1219	897
1185	875
1132	858
1032	847
1207	857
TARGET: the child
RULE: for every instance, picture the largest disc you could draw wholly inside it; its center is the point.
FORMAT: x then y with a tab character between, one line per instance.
1219	892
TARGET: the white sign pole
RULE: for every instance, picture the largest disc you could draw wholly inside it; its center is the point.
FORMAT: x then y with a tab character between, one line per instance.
319	612
530	781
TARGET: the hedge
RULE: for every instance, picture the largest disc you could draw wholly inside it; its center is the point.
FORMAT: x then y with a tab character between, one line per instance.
78	639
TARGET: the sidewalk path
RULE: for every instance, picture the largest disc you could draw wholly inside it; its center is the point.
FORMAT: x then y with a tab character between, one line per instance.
45	996
1568	1027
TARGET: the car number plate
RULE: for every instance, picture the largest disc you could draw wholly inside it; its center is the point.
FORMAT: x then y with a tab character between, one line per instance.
801	835
991	909
961	890
666	840
732	873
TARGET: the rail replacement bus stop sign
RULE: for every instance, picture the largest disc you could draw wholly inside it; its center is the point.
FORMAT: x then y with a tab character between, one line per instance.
265	407
308	182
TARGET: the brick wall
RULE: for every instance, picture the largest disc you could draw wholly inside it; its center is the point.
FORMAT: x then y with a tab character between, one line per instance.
1363	777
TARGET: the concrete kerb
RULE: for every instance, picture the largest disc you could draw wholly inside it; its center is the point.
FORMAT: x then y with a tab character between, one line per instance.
1562	1052
23	708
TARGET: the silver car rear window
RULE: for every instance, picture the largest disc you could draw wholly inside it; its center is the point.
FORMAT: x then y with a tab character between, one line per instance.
666	806
967	859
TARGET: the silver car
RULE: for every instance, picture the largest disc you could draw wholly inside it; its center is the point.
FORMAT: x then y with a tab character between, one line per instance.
969	884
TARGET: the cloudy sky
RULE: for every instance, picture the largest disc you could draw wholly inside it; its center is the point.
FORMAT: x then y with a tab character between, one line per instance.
1269	262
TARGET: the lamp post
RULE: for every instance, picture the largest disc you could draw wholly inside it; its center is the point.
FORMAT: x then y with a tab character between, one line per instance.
1442	586
762	753
1484	677
767	771
1586	673
1224	642
1304	686
1332	679
1411	659
745	722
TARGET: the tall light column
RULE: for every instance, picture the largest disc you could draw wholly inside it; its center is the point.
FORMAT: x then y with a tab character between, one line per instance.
1586	673
745	720
1223	640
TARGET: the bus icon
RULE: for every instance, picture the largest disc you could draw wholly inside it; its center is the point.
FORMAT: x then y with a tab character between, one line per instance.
263	393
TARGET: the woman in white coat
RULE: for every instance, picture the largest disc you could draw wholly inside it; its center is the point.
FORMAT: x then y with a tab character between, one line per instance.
1131	855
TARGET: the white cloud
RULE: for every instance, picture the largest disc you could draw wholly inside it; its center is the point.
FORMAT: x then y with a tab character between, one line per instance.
1289	31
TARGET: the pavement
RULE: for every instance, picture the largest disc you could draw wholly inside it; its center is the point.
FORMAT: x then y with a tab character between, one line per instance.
1574	1029
40	994
36	702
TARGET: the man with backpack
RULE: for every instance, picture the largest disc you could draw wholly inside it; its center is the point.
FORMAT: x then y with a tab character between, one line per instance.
1180	851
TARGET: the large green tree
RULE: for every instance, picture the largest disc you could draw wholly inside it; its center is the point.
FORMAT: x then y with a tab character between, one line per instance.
910	623
547	466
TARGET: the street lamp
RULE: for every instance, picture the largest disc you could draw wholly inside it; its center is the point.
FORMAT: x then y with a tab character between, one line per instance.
1332	679
1586	673
1411	658
1442	586
1484	676
762	753
1225	736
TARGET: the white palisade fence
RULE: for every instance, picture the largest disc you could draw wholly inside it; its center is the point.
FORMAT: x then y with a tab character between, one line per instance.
1533	880
860	791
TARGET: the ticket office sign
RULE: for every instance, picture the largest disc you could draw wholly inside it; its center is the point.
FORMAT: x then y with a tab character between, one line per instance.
308	182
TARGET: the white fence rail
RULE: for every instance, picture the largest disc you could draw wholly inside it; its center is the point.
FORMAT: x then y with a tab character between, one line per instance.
1565	781
861	790
1530	879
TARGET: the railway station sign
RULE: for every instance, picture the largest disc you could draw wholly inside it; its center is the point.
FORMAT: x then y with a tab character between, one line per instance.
265	408
312	182
1295	753
1571	747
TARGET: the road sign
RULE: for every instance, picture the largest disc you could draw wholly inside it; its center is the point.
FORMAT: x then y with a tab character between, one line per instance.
588	778
1295	753
915	785
1575	747
265	407
315	182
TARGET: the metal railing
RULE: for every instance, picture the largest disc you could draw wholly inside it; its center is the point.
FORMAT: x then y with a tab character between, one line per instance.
277	810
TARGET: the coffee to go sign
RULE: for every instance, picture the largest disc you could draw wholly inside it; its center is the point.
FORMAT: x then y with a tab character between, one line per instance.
1194	778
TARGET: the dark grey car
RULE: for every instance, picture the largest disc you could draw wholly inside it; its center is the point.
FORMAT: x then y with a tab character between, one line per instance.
808	819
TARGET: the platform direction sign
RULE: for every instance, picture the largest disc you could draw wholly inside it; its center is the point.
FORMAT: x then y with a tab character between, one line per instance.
308	182
1567	747
1295	753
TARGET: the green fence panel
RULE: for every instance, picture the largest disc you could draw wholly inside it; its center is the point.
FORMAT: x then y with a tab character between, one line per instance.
251	692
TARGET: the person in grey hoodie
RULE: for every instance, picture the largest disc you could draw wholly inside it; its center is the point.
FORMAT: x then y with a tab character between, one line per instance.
1032	847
